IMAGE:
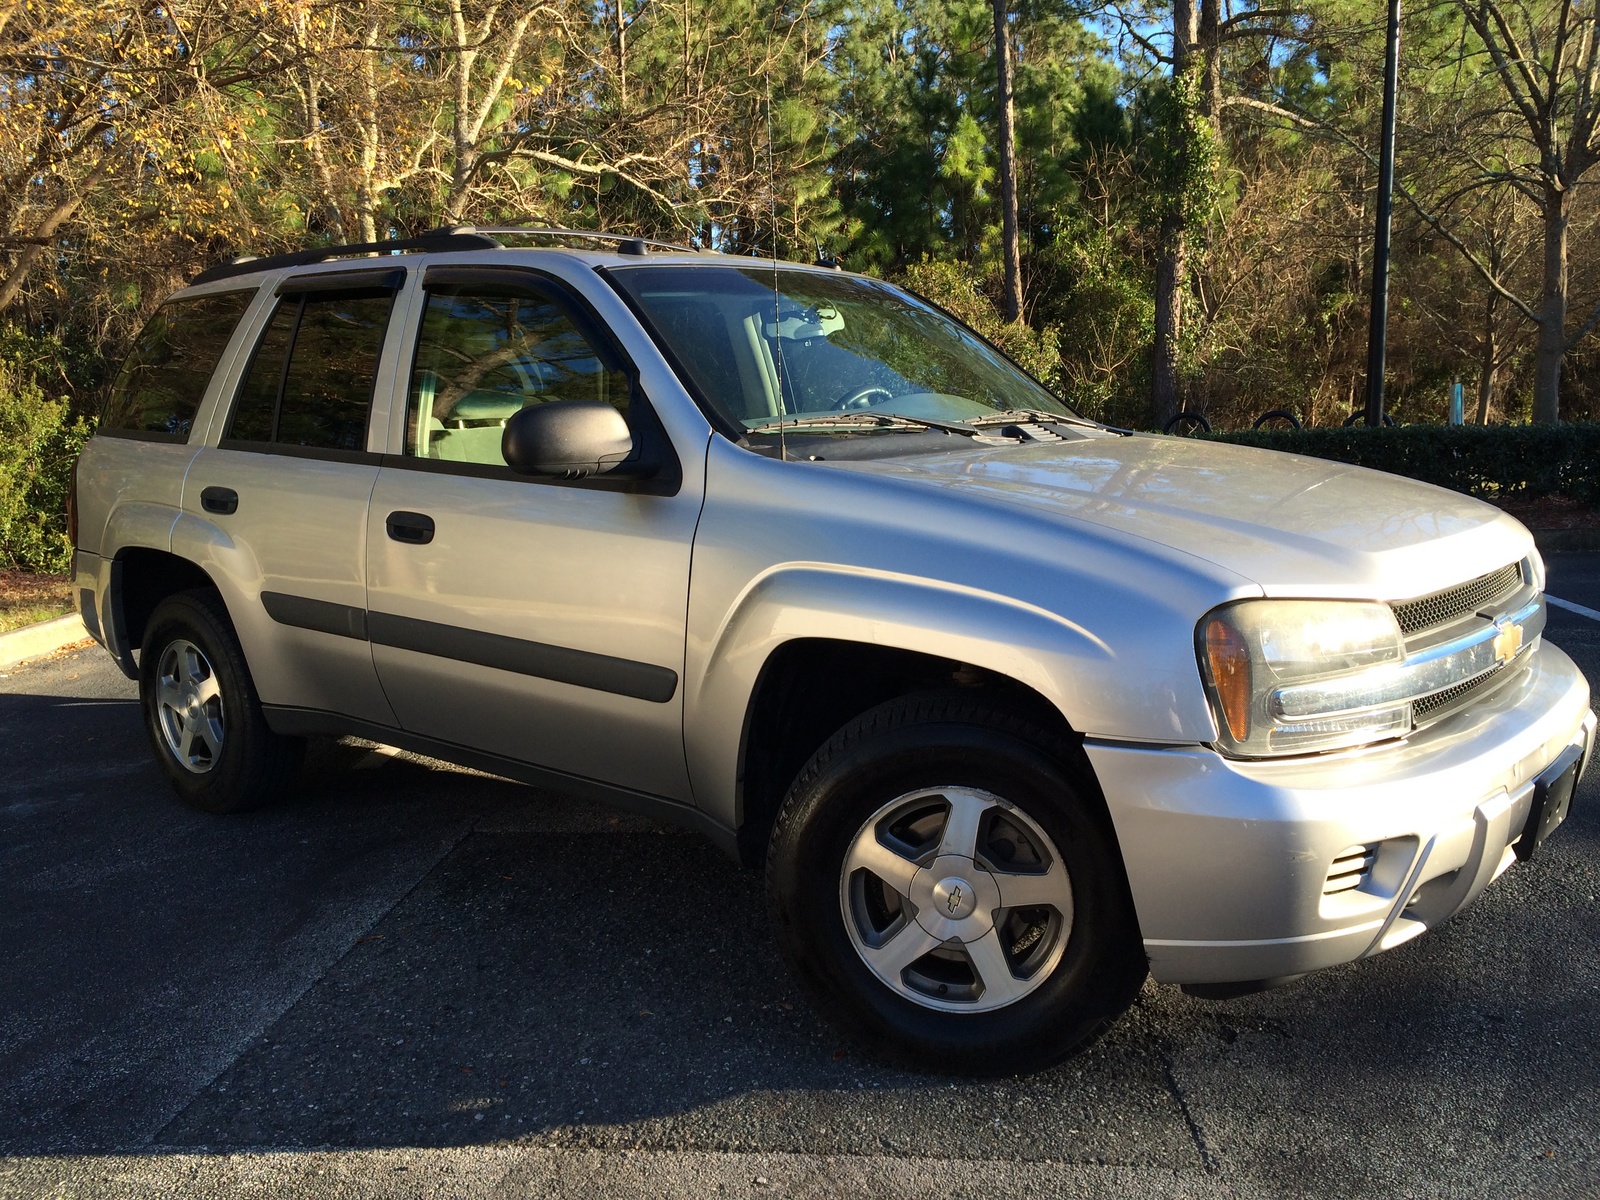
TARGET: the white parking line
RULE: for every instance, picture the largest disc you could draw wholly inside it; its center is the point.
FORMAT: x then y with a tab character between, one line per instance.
1571	607
379	756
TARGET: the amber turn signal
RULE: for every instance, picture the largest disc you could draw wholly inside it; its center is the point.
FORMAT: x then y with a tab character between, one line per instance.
1229	659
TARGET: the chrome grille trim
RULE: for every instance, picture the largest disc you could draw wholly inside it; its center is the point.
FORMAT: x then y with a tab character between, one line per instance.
1423	674
1438	703
1451	604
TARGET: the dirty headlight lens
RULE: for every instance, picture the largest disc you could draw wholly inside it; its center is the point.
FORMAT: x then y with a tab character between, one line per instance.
1250	652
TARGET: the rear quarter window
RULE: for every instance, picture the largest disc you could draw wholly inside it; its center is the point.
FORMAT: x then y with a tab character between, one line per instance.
160	386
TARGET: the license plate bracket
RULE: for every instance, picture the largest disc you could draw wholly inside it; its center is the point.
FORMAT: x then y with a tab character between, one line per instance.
1552	801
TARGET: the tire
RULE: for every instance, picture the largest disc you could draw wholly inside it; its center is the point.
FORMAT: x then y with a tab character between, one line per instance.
1184	423
202	713
896	777
1358	418
1276	414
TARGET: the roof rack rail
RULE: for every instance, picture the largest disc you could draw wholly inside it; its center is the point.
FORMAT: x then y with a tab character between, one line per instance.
436	240
455	237
628	243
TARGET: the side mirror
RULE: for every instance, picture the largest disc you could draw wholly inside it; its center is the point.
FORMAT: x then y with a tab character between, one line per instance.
567	439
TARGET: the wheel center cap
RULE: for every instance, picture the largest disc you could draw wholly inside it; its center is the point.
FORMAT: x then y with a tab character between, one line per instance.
954	898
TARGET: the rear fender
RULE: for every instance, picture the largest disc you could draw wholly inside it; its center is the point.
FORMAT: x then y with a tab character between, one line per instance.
234	569
135	525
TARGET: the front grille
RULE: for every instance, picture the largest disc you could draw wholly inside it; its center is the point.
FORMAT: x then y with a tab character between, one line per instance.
1441	608
1447	697
1350	869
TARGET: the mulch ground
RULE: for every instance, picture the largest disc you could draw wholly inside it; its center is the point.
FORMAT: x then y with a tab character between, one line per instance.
26	598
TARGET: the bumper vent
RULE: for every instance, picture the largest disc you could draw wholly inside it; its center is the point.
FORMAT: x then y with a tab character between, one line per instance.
1429	612
1350	869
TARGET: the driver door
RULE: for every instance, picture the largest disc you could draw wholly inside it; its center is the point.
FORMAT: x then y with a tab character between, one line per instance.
539	620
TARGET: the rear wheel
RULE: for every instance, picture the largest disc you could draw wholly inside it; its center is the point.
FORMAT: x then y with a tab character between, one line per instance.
949	893
202	713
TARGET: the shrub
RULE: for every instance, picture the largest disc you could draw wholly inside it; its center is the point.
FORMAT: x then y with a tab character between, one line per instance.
1496	462
39	440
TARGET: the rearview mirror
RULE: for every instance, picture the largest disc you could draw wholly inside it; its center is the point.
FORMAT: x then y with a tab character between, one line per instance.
567	439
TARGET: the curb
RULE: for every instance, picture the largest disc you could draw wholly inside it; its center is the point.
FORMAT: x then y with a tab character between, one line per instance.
1567	541
34	641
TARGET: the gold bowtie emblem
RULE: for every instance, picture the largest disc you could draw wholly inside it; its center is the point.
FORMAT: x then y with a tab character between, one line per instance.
1507	640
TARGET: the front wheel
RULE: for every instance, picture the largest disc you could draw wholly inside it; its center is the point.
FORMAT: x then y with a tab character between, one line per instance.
950	894
202	713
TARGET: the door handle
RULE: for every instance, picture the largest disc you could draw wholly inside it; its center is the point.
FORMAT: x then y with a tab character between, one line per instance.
415	529
220	500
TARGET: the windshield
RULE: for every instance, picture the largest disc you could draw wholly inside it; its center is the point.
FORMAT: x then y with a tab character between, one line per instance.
768	346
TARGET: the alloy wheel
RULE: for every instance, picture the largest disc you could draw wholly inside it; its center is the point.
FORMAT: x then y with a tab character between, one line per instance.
956	899
189	707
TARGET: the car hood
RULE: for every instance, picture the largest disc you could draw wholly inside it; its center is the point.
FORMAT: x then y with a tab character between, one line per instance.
1293	525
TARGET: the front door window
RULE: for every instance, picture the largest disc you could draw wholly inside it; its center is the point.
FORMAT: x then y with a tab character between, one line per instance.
482	356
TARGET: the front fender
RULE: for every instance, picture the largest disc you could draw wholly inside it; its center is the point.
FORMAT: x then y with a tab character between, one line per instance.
1071	666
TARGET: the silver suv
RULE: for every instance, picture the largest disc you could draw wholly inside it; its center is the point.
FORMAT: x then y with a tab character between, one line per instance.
1013	708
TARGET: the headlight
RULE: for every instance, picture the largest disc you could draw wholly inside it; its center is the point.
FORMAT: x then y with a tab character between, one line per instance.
1257	656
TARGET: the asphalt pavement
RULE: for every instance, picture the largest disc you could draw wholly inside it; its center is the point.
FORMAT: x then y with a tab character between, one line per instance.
416	980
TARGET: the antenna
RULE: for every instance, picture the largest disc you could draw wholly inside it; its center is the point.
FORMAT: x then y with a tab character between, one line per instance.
772	201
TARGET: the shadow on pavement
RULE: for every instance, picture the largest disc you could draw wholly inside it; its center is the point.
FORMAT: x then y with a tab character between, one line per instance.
408	955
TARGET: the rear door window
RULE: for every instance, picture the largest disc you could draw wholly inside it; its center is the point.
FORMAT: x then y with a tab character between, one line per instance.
160	386
310	380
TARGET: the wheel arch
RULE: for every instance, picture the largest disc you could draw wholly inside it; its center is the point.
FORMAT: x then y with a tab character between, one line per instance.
809	688
141	578
897	626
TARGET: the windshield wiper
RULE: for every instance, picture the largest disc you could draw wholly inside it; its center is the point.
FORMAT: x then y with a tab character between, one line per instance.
1037	415
851	420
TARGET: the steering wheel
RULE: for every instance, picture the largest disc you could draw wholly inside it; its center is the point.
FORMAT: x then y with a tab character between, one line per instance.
866	396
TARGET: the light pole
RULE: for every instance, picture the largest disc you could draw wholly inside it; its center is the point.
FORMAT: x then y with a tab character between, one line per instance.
1378	331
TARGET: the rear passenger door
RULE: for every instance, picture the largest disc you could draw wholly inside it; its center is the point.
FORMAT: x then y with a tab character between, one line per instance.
540	620
288	485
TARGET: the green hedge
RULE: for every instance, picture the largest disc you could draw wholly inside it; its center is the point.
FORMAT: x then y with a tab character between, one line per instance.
1497	462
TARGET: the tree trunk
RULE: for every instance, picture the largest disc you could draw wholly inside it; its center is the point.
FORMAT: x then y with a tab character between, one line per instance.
1488	359
463	139
1168	323
371	135
316	147
44	233
622	55
1008	166
1170	263
1553	307
1209	33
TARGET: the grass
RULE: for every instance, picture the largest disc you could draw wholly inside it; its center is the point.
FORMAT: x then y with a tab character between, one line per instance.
26	599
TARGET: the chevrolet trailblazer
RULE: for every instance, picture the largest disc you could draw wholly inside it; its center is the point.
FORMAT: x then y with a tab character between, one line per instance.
1013	708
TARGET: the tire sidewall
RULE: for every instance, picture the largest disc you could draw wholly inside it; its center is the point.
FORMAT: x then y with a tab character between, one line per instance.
1089	984
187	617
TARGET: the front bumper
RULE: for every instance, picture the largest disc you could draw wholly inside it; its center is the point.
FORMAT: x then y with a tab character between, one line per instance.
1229	860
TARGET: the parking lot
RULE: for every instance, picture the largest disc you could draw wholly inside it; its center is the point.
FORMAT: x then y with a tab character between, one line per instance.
416	980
